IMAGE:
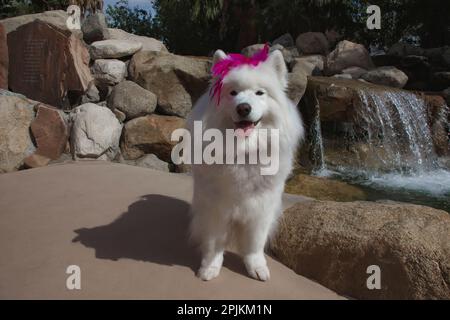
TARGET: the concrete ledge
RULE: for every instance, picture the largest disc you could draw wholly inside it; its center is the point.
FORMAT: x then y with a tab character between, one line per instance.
125	227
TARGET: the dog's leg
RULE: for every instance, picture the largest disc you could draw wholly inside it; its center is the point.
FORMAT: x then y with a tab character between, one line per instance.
251	240
252	236
212	259
211	234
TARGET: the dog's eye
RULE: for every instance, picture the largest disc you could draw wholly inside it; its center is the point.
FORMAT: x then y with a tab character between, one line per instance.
233	93
259	93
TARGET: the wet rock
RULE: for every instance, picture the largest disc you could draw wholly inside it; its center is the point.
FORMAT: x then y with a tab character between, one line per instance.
323	189
387	76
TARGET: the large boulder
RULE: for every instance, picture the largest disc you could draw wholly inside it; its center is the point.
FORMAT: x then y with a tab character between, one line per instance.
47	64
133	100
348	54
49	131
56	18
387	76
148	44
95	132
150	134
94	28
312	43
334	243
111	48
4	60
177	81
16	114
108	72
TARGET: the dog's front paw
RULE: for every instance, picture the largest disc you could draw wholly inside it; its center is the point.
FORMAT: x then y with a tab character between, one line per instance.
208	273
259	272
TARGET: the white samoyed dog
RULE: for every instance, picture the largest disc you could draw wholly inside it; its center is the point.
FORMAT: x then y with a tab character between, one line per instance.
233	204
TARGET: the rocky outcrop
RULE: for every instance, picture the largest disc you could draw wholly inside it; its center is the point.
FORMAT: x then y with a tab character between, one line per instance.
312	43
49	131
16	114
4	59
348	54
177	81
133	100
148	44
387	76
150	134
323	189
47	64
112	48
95	132
334	243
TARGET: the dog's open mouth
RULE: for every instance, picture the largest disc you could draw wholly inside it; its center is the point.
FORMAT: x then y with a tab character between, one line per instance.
246	126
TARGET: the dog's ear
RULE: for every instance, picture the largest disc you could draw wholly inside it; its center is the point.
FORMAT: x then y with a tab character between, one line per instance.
218	55
277	61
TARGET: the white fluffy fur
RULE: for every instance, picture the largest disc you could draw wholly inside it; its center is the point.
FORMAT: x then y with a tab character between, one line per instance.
235	203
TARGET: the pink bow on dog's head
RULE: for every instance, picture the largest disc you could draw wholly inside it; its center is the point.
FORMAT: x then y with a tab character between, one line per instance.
234	60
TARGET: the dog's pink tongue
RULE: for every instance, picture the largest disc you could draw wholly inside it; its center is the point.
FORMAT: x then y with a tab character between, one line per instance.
246	126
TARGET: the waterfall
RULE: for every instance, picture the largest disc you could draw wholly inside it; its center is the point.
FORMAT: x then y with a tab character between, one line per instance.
396	129
317	142
387	143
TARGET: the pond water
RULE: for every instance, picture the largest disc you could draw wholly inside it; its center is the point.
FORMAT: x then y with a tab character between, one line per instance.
430	188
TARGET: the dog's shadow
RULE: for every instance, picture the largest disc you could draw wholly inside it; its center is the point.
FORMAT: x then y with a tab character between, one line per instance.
154	229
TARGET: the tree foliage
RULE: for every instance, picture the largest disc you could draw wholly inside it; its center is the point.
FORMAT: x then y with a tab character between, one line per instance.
133	20
200	26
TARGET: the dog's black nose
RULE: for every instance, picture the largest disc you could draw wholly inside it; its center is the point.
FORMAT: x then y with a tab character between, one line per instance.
243	109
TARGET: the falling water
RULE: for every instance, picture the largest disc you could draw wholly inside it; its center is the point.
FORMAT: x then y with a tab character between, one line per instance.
392	146
397	130
317	142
